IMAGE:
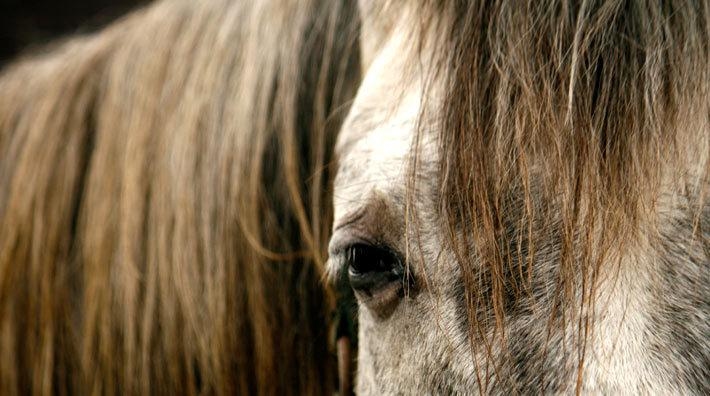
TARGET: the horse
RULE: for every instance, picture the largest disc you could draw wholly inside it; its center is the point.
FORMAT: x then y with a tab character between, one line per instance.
520	203
164	207
518	195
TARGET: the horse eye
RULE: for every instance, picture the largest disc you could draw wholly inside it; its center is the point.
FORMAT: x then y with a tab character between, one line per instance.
373	268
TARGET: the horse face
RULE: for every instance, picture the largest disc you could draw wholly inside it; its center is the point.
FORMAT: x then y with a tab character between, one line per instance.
414	332
411	335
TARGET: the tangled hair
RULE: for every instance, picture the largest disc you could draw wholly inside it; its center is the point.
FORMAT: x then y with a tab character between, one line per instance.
163	207
567	132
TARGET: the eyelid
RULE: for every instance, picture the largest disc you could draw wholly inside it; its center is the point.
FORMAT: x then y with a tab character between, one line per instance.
349	220
374	220
345	239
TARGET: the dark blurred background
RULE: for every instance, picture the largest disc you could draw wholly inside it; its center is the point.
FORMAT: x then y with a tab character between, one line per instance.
27	24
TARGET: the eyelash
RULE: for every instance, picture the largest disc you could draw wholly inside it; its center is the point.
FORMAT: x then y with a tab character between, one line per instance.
362	258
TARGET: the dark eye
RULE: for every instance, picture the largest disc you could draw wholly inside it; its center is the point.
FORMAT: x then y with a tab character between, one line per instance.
374	268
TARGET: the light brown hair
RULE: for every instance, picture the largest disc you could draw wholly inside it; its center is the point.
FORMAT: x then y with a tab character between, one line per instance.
564	128
163	206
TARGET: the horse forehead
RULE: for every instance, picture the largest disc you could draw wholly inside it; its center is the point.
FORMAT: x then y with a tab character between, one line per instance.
373	158
376	138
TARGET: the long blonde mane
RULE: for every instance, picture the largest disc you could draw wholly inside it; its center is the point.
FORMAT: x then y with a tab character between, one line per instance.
162	202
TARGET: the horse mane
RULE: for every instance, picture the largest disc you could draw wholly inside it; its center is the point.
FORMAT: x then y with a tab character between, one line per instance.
163	202
570	133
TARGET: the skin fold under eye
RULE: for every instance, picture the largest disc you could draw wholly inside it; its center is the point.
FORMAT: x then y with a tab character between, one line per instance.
377	275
